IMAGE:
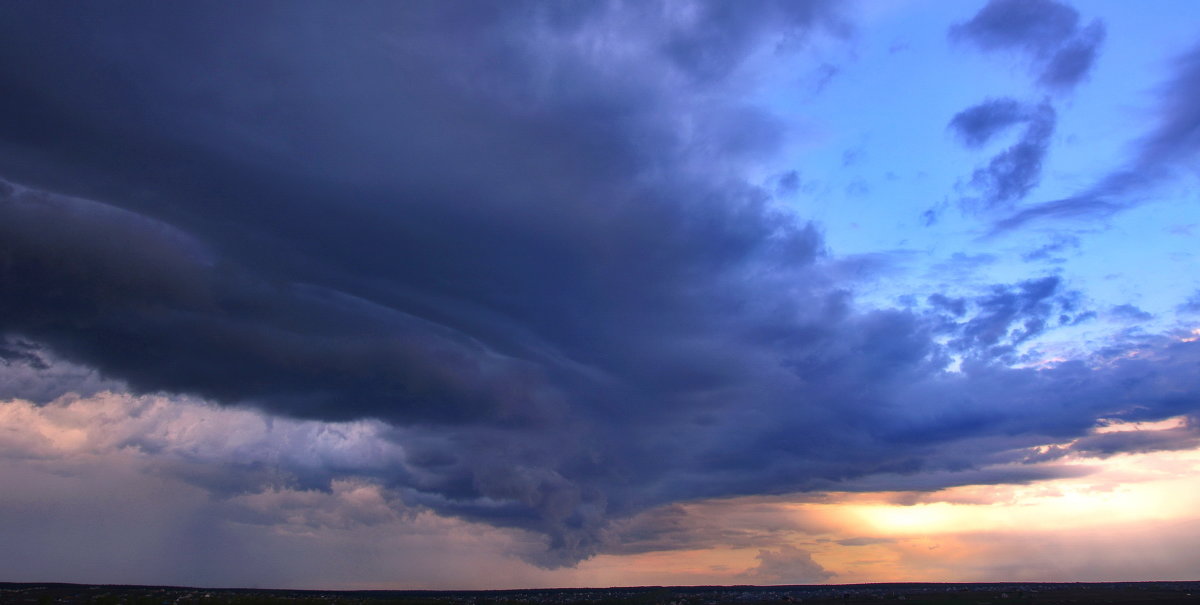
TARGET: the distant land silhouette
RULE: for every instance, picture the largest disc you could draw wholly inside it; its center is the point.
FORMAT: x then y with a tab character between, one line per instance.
1004	593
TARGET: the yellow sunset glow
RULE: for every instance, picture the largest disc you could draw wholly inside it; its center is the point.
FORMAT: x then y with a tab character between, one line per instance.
1128	488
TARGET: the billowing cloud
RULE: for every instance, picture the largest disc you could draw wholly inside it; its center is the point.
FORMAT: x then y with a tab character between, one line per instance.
709	39
788	565
525	283
523	248
118	488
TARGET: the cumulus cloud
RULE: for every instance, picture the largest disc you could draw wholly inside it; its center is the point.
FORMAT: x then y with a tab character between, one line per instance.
788	565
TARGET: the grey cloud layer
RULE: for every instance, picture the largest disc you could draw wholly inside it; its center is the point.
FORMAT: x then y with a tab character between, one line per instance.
535	256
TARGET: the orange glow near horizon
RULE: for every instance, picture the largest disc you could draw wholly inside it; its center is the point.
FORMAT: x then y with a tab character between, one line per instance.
1116	513
967	533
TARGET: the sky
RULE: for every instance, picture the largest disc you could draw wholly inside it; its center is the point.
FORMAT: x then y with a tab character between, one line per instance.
504	294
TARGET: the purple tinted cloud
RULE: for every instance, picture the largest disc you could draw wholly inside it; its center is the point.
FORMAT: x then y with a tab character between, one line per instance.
534	261
1167	151
1048	33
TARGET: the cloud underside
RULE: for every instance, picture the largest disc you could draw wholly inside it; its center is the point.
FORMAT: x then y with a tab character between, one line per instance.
535	262
188	493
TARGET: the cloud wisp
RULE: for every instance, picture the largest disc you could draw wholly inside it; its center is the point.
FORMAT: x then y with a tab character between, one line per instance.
1011	174
1166	152
1060	50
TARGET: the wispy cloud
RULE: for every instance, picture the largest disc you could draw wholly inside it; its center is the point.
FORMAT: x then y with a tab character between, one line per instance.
1060	50
1162	154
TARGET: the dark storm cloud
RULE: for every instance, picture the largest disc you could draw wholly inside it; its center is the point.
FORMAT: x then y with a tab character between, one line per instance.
29	372
349	214
1123	442
1048	33
1012	173
712	38
143	302
1137	440
917	486
1168	151
20	351
534	256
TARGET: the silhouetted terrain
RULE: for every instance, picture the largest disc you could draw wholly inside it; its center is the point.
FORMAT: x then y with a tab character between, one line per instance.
1159	593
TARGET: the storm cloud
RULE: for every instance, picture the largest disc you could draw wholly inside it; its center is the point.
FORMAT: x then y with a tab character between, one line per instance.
535	263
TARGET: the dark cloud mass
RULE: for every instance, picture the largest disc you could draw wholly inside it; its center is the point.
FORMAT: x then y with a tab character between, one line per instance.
1048	33
534	256
21	352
